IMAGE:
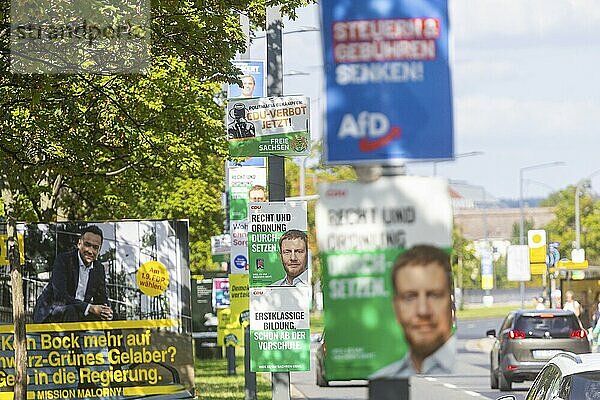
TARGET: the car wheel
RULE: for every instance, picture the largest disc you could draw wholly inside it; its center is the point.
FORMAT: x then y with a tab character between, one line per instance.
493	379
504	383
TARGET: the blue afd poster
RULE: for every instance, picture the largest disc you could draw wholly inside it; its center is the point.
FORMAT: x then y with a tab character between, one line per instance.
388	89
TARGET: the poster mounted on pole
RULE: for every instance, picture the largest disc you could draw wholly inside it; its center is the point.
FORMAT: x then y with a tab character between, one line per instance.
243	181
252	77
268	222
279	329
128	336
387	81
280	290
269	126
361	229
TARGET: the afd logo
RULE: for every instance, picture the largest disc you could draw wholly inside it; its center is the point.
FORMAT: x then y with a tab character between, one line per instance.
373	130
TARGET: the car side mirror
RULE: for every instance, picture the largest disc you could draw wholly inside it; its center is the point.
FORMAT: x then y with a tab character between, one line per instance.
507	397
491	333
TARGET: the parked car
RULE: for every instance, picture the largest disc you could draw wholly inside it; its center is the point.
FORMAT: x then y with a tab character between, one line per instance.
527	339
320	368
567	376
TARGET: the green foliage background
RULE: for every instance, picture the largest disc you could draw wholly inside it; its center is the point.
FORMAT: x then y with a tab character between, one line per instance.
84	147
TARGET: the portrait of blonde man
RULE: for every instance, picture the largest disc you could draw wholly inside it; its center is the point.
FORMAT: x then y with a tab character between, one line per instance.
422	302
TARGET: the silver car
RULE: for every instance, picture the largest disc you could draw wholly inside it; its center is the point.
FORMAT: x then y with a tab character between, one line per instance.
567	376
527	339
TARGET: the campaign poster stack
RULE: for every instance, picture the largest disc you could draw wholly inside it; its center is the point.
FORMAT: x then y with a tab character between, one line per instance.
145	350
279	315
361	229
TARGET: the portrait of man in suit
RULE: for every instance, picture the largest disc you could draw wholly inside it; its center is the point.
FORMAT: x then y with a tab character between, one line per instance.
77	288
293	251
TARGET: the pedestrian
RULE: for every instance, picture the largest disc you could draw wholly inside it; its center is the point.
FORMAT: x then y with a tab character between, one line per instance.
596	337
540	304
571	304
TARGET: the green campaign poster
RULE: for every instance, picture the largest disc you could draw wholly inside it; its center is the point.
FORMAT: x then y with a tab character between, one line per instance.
265	126
361	229
268	222
280	291
279	329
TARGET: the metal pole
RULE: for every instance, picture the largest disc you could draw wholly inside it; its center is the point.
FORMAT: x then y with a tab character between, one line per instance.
521	228
485	234
522	219
302	176
249	376
577	216
230	354
276	166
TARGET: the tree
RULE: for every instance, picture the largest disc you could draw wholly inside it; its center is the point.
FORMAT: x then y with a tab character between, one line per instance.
562	228
515	237
81	143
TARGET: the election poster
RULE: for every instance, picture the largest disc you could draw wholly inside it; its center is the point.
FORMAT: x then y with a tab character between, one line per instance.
107	309
269	126
253	80
268	223
279	329
240	307
388	94
361	229
280	290
204	320
241	179
221	292
245	182
220	247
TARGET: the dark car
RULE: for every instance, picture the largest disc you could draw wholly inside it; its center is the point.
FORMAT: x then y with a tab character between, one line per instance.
528	339
320	369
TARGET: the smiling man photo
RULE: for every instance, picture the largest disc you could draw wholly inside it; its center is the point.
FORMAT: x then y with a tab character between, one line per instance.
77	288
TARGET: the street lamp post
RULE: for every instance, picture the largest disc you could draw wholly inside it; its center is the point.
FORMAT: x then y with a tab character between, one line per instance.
460	155
522	214
302	164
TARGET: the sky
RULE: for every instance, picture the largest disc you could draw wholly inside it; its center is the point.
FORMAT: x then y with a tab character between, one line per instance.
526	91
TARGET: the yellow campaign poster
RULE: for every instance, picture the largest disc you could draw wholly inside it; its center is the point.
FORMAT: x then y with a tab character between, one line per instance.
4	249
107	308
240	305
536	240
223	315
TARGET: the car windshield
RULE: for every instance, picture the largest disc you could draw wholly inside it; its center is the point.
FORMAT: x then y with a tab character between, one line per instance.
537	326
585	386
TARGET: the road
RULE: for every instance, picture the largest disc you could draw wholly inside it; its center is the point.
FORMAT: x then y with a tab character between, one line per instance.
472	382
